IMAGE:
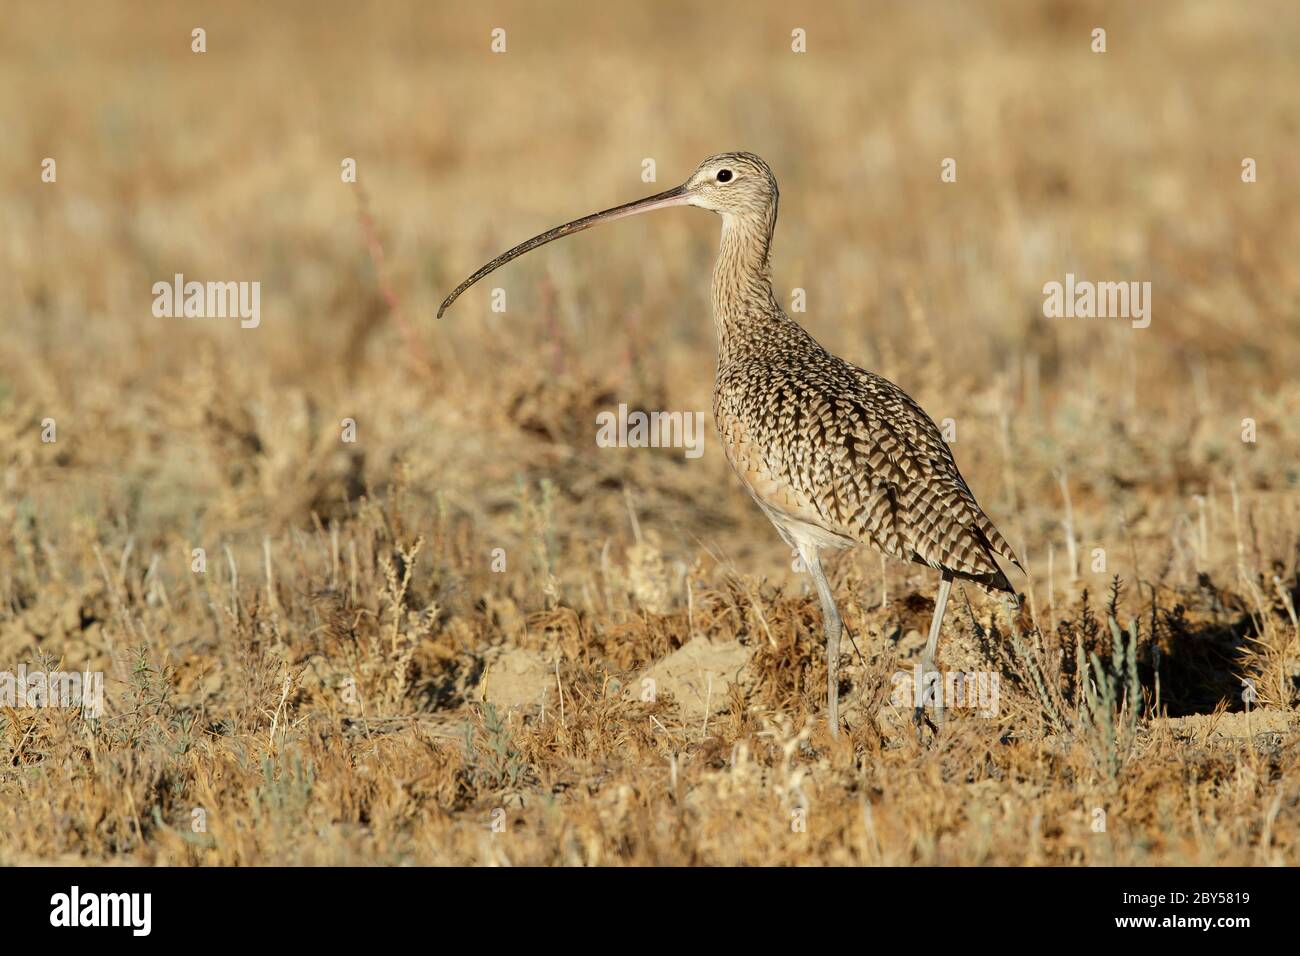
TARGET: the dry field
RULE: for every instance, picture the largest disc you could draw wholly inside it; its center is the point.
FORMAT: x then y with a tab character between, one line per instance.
431	644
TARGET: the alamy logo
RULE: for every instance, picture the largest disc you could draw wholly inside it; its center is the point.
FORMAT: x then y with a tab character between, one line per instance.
957	690
208	300
651	430
65	689
103	909
1083	299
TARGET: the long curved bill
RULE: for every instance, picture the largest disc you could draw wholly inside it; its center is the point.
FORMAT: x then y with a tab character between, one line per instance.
677	196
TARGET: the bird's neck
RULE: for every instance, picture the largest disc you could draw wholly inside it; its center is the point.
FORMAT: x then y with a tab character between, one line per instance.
745	310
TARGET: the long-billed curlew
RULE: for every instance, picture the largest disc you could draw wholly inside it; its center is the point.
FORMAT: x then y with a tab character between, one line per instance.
833	454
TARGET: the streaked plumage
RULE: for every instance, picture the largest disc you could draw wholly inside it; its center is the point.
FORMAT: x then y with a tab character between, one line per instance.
829	444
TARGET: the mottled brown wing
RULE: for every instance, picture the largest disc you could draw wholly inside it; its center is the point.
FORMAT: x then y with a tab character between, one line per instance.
830	445
872	466
935	514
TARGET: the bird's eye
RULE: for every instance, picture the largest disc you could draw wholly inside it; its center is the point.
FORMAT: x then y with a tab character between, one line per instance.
724	175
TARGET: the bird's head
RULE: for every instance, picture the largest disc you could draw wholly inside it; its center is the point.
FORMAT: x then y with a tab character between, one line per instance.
732	184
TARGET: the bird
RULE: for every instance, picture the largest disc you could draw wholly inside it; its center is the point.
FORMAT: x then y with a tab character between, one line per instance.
835	455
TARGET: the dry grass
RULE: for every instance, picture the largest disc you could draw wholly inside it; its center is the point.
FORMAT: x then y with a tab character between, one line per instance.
319	691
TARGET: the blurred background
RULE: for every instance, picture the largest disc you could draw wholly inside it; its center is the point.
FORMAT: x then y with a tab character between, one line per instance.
226	165
478	431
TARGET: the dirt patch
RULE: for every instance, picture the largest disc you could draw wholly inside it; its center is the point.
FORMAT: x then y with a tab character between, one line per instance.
1211	728
517	678
699	676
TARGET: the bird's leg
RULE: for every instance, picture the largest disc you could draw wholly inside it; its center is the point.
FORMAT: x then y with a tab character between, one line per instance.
833	626
927	658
